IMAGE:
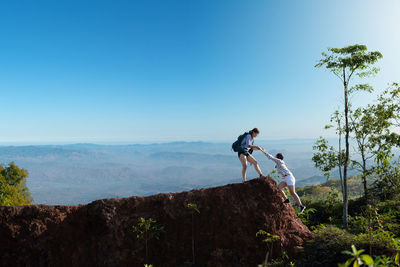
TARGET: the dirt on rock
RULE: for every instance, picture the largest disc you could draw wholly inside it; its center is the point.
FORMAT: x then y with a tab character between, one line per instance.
100	233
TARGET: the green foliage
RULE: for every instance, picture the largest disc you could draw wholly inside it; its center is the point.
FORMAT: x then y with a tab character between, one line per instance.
269	239
327	246
146	229
388	184
357	259
333	197
353	59
329	242
305	216
193	207
325	158
379	241
385	261
13	189
390	216
370	126
275	175
344	63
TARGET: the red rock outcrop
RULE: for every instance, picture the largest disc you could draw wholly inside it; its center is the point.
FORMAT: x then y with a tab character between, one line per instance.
99	233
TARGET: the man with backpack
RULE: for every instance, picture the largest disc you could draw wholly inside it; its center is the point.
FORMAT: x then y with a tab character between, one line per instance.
244	146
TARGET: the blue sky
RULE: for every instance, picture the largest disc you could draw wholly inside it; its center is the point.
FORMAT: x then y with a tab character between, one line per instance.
158	71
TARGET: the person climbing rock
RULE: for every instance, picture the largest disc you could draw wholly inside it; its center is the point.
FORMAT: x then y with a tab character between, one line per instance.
244	146
288	176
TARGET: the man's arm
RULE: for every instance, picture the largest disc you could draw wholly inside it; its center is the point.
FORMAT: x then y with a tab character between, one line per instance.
270	157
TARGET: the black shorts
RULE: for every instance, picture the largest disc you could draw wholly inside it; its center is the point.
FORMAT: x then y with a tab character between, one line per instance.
246	153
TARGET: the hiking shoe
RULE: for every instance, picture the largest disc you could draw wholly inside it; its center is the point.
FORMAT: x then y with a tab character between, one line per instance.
286	201
302	208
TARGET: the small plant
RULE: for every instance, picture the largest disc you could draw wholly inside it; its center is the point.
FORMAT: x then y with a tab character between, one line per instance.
384	261
275	175
357	259
333	197
305	216
146	229
269	240
193	207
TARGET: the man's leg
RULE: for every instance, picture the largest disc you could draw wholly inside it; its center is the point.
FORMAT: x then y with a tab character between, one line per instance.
253	161
243	160
294	194
281	186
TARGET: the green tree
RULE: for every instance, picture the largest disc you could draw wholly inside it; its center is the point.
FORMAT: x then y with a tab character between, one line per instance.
344	63
13	189
146	229
326	157
387	107
367	124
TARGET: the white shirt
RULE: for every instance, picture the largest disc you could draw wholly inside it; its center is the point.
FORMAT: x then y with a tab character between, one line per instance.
280	165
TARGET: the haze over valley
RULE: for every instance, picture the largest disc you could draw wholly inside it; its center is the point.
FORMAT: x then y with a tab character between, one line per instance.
80	173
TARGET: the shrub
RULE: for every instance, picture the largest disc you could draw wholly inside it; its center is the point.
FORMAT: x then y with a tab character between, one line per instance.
13	189
327	246
329	242
378	242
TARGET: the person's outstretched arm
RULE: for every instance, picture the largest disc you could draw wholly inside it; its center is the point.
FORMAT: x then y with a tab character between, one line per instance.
255	147
276	160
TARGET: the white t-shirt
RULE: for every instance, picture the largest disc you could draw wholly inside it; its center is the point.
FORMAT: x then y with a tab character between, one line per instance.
280	165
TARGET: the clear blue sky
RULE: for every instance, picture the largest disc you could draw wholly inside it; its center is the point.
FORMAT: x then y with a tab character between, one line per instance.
155	71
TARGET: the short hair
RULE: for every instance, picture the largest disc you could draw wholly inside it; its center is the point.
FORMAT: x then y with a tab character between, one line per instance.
279	156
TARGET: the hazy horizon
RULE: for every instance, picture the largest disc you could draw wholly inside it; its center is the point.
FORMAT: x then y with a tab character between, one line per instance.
80	173
27	143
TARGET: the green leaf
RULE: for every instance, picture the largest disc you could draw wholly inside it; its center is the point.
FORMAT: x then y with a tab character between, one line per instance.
193	207
367	259
397	258
353	248
348	262
348	253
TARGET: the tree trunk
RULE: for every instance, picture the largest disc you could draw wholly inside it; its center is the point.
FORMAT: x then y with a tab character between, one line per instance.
364	178
346	160
340	158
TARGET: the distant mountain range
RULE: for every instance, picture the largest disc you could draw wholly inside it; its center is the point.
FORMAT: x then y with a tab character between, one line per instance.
81	173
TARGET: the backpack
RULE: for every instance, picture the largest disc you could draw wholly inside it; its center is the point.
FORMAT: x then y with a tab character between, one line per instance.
236	145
